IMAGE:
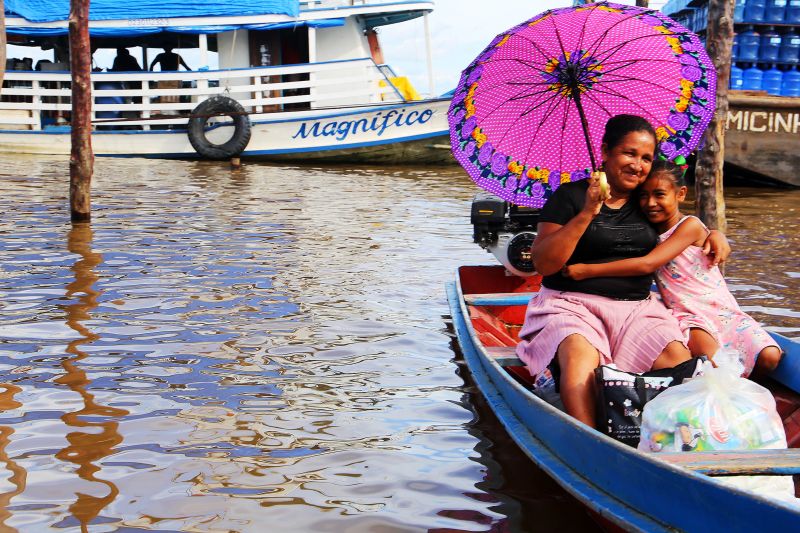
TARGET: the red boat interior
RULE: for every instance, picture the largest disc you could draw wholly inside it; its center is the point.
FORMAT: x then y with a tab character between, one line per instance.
498	326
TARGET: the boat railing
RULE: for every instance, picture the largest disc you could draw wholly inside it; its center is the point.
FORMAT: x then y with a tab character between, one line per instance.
308	5
141	100
387	70
326	4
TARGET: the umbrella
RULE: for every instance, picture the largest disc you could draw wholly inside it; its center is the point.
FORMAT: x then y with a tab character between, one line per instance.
529	112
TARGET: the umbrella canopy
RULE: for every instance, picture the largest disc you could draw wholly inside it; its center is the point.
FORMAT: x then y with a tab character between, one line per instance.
530	111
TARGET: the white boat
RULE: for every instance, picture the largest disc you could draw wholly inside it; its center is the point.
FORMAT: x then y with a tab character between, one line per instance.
308	74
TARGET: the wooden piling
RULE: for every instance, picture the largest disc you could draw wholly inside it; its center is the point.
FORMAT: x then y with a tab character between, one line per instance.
710	201
2	44
81	162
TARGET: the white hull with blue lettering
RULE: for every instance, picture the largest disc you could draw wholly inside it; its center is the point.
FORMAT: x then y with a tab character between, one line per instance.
395	133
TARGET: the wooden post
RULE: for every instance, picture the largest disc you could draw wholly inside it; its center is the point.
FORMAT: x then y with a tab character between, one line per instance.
710	201
2	44
81	161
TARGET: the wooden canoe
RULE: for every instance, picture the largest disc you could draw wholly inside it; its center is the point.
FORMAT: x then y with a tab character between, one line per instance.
628	488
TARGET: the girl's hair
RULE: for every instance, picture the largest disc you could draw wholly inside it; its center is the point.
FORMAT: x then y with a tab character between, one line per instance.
619	126
669	170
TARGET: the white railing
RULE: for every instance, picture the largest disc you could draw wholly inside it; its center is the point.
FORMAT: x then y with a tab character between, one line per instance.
333	4
323	4
36	100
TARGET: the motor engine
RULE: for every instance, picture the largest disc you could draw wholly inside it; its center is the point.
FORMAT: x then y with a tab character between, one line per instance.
506	230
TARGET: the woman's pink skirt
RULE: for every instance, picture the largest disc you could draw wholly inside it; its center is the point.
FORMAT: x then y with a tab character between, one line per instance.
630	334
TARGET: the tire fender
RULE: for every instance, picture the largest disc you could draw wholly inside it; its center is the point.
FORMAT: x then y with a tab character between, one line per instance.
219	105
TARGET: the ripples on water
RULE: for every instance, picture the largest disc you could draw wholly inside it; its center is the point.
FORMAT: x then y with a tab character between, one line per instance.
224	350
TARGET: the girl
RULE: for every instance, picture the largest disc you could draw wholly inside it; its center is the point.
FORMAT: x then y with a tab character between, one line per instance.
693	288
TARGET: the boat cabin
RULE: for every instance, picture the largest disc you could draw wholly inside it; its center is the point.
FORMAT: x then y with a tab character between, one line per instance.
272	56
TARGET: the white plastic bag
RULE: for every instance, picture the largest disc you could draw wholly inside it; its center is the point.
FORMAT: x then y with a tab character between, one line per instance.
729	360
715	411
719	410
773	488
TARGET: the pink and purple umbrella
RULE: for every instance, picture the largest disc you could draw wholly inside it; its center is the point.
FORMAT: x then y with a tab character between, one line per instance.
529	112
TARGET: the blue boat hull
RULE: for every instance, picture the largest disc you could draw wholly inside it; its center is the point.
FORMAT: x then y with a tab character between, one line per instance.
634	490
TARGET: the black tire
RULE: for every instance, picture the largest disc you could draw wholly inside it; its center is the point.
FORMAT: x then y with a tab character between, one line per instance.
219	105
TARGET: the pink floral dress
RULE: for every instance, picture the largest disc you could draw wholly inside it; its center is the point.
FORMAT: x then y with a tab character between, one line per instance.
699	298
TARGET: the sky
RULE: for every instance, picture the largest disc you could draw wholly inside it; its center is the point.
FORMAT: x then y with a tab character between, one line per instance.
460	29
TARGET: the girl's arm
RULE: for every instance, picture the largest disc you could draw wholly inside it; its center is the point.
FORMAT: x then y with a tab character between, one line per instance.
689	232
555	243
717	247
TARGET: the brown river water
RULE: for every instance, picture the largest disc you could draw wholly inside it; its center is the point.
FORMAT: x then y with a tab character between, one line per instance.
269	349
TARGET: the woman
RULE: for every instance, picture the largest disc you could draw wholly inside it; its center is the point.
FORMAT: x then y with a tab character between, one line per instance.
601	320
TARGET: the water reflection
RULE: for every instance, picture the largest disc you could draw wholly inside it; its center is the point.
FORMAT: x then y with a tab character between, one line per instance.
86	447
523	497
269	346
18	475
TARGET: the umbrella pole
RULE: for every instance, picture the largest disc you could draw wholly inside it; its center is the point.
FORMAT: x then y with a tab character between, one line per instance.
585	125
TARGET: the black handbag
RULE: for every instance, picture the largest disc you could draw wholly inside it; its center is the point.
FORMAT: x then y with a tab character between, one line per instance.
621	396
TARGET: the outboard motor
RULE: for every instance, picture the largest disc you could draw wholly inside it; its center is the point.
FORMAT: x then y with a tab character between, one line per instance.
506	230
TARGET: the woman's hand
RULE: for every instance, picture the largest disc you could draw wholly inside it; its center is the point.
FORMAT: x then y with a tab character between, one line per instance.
717	247
594	195
576	271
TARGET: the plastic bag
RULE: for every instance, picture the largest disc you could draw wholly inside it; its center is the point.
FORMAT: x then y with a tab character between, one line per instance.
715	411
545	386
771	487
730	360
622	395
719	410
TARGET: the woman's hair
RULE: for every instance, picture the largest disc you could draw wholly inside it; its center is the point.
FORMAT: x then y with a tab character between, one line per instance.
667	169
619	126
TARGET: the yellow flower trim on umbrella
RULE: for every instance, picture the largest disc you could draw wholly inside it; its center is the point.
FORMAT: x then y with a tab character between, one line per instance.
479	136
540	19
515	167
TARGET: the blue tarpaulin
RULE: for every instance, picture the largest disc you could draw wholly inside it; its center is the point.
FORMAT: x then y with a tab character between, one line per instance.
58	10
145	30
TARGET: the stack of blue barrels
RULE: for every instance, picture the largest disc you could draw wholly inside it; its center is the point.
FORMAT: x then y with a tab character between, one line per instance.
766	47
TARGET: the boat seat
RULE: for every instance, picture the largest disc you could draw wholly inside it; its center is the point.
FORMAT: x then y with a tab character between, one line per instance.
499	298
737	463
504	355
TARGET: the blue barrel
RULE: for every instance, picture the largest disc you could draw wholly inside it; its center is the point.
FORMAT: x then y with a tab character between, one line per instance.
775	11
690	21
791	83
792	15
748	45
735	47
738	11
752	78
772	80
790	48
736	78
769	46
701	22
754	10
